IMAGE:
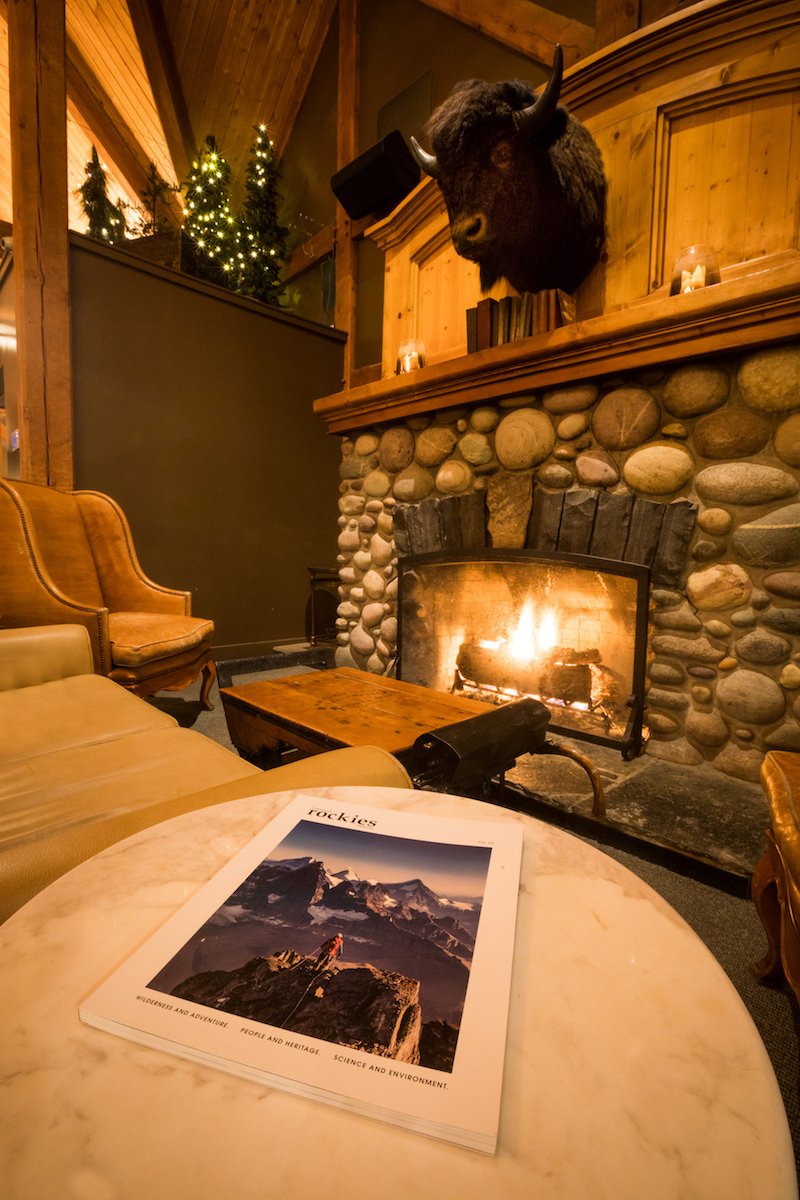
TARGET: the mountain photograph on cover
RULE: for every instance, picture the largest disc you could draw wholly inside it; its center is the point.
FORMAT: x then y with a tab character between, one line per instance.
356	938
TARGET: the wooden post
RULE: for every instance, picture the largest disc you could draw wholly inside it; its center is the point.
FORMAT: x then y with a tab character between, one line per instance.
37	86
346	151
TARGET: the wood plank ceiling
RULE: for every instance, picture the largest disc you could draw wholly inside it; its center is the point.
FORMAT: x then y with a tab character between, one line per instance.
147	80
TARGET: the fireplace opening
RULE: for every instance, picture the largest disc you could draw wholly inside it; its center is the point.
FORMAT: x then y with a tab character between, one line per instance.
568	630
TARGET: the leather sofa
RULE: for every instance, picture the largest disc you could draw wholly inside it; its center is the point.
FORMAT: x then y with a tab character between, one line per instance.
85	763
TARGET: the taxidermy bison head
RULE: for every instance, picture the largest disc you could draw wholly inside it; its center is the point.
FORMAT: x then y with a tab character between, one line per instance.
522	180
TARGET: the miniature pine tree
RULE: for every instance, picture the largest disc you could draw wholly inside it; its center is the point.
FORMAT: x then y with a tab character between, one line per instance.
151	220
262	240
208	220
106	220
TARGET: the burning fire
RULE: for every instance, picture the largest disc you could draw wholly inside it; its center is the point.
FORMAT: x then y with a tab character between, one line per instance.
531	637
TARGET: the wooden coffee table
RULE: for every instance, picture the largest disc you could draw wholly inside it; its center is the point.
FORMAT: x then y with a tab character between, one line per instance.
324	710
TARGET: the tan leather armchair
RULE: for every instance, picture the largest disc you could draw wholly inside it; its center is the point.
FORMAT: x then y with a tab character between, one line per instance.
775	886
68	557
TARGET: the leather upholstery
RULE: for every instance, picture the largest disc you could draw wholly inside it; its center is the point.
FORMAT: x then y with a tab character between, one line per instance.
29	656
69	557
84	764
138	638
776	879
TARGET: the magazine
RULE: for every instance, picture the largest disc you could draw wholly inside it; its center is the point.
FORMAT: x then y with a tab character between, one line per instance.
353	954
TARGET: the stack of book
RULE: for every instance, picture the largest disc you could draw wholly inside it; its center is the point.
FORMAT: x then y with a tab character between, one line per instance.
495	322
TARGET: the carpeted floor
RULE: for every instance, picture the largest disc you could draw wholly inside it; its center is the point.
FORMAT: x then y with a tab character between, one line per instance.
722	917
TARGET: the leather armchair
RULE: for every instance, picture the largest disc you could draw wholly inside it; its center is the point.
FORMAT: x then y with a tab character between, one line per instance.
68	557
775	886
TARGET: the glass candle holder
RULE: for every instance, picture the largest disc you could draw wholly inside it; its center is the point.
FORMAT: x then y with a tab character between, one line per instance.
695	267
410	357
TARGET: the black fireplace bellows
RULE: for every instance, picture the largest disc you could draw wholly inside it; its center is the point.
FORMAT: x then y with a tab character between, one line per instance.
466	755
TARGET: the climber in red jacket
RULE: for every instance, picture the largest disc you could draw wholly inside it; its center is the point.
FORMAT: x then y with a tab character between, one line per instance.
329	951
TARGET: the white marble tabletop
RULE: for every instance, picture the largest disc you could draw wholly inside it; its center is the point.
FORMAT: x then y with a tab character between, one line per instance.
633	1069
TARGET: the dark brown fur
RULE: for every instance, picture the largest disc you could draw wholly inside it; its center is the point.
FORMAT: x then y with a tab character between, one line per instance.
542	217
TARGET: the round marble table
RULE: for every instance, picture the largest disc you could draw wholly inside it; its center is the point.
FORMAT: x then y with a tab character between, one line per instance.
633	1069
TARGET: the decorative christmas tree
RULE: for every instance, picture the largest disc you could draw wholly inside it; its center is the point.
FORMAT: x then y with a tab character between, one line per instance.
208	220
106	220
151	220
262	240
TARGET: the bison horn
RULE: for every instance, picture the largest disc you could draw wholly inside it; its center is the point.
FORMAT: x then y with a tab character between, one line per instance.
428	162
533	118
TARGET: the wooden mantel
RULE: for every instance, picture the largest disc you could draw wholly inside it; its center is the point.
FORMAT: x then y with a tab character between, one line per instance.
757	309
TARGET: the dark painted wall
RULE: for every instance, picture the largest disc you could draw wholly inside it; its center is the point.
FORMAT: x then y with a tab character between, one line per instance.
193	410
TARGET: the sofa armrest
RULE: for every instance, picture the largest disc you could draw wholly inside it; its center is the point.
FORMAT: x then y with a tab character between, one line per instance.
27	867
42	653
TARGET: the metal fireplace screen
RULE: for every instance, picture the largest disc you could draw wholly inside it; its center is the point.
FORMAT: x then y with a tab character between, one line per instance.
569	630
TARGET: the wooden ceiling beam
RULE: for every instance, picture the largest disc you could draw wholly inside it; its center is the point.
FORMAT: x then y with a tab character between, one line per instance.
523	26
38	109
309	48
109	128
158	56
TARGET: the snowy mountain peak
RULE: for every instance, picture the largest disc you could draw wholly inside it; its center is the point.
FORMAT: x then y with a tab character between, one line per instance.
343	876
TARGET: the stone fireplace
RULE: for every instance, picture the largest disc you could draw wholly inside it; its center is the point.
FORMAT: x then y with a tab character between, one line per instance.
709	450
651	429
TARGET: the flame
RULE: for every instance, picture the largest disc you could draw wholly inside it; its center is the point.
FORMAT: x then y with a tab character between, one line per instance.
533	634
531	637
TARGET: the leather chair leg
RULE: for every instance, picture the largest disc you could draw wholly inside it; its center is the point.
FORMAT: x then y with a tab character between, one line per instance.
209	675
765	890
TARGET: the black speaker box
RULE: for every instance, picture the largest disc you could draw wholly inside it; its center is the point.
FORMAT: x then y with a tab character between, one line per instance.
378	179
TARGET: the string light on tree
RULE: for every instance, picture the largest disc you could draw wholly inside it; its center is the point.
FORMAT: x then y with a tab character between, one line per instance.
208	220
244	252
262	239
107	221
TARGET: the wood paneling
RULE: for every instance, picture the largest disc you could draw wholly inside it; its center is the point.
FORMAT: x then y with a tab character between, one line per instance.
702	147
616	19
241	62
427	287
103	36
727	174
219	66
159	61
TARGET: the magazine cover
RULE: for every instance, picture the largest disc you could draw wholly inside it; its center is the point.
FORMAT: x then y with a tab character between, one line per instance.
353	954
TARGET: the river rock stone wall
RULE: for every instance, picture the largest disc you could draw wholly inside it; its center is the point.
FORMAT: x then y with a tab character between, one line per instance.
724	665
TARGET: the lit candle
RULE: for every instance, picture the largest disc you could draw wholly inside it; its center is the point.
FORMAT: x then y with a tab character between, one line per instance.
410	357
692	280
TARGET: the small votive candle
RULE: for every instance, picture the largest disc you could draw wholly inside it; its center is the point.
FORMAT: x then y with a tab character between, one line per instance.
410	357
695	267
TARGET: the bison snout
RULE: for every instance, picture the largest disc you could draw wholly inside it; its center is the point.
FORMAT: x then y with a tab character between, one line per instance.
470	233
